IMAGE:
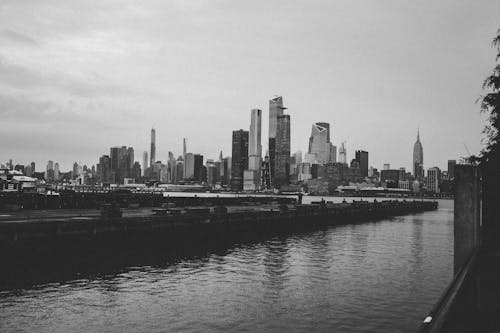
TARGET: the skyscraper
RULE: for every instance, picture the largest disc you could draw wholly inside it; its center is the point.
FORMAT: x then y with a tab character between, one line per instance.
152	156
282	154
189	166
198	167
239	159
343	154
144	162
104	170
275	110
56	171
418	158
252	174
320	145
362	158
49	173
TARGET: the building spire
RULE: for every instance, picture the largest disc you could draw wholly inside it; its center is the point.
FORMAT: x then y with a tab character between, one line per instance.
418	133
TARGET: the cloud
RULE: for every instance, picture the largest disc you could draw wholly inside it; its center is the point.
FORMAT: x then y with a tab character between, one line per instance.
20	77
17	37
23	109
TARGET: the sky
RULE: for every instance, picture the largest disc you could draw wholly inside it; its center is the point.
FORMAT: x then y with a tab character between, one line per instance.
78	77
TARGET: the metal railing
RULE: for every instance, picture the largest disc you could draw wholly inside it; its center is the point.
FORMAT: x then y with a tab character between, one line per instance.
444	311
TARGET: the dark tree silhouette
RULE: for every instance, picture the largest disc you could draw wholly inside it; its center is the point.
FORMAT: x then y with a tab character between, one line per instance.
489	159
490	104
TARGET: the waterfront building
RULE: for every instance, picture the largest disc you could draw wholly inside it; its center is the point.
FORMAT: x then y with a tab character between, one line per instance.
282	153
389	178
418	159
239	159
251	176
362	158
433	179
387	166
152	156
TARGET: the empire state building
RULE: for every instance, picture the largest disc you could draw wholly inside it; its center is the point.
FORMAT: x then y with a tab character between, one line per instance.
418	158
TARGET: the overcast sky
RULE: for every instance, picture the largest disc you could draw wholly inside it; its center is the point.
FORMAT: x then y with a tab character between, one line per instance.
77	77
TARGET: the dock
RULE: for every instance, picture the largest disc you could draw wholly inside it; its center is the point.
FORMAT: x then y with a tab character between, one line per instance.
26	225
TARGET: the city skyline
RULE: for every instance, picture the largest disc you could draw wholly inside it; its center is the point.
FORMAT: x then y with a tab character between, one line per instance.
126	75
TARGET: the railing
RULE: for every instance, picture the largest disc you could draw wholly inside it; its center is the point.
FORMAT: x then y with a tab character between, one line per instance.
444	317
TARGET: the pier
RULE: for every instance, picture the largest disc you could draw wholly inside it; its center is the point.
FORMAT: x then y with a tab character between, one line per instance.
45	244
25	226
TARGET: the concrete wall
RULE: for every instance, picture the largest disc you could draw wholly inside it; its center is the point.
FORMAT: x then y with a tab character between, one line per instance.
466	213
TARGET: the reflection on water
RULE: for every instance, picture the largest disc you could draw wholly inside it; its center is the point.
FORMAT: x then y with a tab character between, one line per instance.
377	277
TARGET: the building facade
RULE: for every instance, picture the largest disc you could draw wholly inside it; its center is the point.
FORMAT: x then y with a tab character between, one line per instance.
251	176
282	154
239	159
418	159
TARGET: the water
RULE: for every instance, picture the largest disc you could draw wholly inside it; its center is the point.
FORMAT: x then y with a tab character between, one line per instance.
373	277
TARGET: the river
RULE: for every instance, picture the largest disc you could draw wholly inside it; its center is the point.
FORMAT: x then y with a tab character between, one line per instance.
379	276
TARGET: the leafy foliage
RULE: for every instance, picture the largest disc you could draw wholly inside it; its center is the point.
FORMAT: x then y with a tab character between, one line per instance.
490	104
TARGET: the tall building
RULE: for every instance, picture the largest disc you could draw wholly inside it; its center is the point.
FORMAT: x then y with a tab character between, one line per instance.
56	171
343	154
180	168
28	170
433	179
130	157
135	171
320	145
282	154
49	173
451	169
104	170
199	169
152	156
418	159
144	162
74	173
275	110
189	166
251	176
239	159
362	158
122	162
